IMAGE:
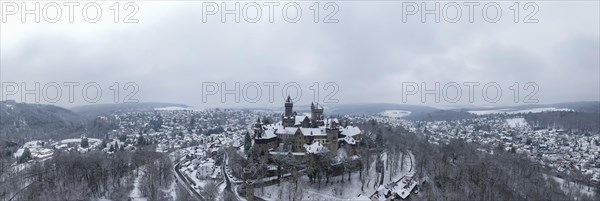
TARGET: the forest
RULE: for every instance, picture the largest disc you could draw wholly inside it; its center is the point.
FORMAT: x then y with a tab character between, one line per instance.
462	171
92	175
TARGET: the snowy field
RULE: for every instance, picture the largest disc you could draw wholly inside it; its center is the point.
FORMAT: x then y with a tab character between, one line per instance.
510	111
572	187
177	109
395	113
336	189
78	140
41	149
136	193
516	122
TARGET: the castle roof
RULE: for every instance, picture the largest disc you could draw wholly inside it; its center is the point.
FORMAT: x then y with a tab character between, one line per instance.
313	131
315	148
348	139
267	134
350	131
279	129
300	118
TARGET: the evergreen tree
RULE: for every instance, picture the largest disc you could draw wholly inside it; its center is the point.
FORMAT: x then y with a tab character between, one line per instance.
267	120
247	141
157	124
140	140
192	124
122	138
84	142
26	156
104	142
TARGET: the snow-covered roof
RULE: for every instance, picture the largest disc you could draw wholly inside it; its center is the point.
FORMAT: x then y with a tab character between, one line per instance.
300	118
350	131
267	134
313	131
315	148
348	139
292	130
284	130
403	190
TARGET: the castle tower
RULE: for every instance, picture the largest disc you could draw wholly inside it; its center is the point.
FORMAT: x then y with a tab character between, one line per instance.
258	128
288	119
316	115
249	191
247	174
288	107
313	115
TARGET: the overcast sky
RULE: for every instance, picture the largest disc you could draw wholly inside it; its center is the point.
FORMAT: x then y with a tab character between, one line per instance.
369	53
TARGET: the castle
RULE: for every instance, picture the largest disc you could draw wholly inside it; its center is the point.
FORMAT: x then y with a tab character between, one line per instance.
302	133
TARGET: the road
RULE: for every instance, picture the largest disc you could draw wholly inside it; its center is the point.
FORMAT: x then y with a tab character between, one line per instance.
227	182
182	180
401	178
229	186
411	162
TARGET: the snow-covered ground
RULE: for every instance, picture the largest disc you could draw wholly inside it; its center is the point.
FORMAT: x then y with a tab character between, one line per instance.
78	140
348	190
194	176
395	113
571	187
36	148
516	122
36	152
511	111
172	191
136	194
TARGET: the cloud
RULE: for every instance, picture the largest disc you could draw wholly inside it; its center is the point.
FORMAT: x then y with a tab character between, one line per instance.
369	53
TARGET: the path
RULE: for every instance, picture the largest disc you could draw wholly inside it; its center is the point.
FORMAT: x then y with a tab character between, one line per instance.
136	194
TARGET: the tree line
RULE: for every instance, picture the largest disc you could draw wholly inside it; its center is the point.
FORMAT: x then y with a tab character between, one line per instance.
458	170
87	176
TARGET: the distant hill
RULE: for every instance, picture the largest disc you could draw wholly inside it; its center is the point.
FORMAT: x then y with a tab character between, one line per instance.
582	116
369	108
91	111
417	112
582	106
22	121
426	113
35	121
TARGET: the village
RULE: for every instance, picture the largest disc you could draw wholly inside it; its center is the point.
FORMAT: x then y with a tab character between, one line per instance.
254	157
